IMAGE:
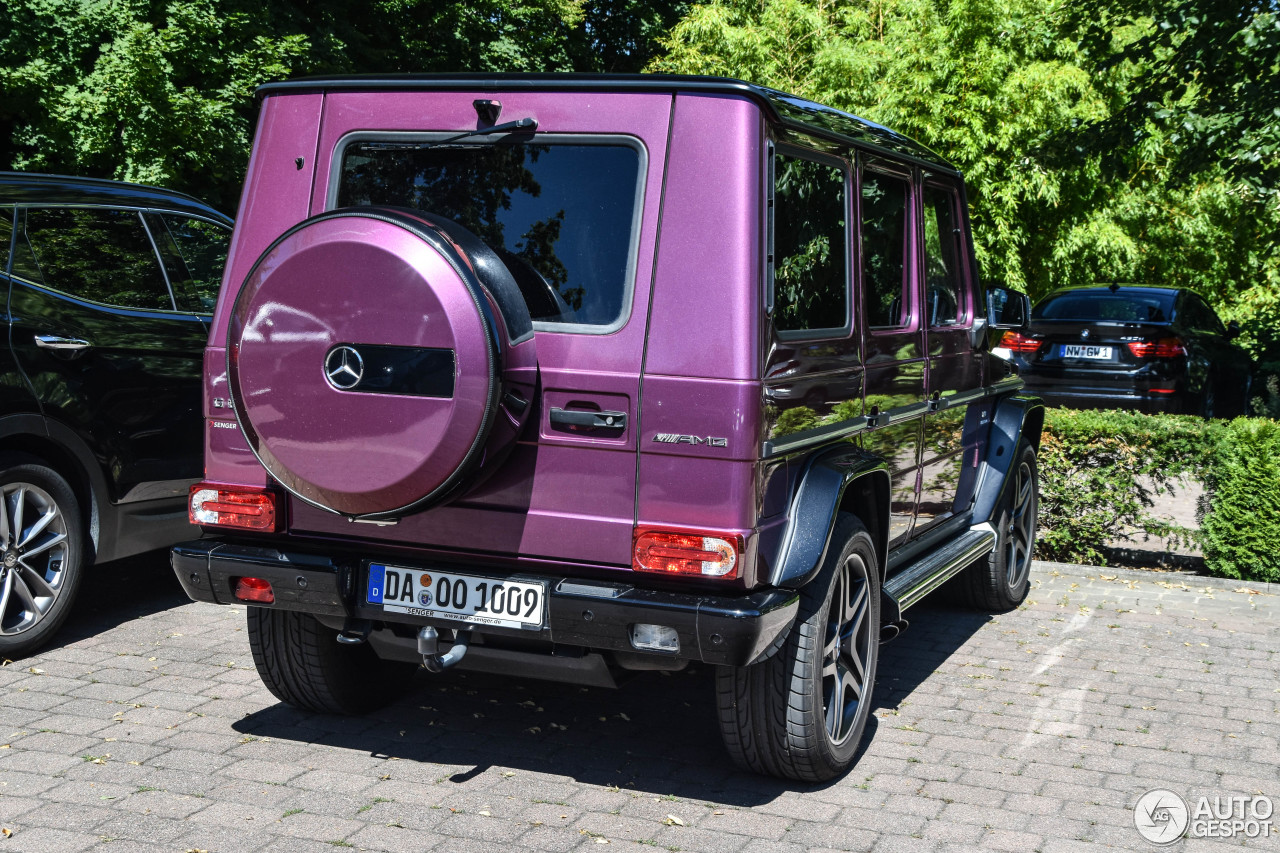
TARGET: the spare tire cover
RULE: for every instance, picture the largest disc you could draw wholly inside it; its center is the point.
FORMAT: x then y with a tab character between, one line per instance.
364	361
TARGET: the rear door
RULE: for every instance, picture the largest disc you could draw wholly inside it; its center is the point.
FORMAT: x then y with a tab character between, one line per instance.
573	212
954	371
893	331
109	354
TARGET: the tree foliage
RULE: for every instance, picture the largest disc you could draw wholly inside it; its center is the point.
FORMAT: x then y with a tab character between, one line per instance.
161	91
1017	93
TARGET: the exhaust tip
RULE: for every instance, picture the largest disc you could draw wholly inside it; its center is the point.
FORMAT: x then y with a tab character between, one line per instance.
891	630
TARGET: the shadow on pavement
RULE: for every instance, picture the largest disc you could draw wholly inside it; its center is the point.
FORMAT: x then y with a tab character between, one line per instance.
656	733
118	592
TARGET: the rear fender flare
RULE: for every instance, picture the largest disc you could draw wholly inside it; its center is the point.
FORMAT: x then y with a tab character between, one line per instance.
1014	418
825	488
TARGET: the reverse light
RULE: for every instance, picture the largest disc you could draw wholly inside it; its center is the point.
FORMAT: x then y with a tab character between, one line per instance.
233	506
1018	342
1163	348
668	552
255	589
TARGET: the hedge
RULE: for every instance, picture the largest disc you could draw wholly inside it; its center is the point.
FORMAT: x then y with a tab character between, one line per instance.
1101	470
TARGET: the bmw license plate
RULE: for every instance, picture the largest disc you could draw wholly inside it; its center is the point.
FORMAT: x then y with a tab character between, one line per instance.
1085	351
459	598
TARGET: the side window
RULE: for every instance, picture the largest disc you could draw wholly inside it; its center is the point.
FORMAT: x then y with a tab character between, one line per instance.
1198	316
884	249
98	254
24	260
6	236
944	299
810	239
194	253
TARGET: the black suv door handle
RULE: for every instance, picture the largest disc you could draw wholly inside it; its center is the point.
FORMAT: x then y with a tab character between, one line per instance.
58	343
589	420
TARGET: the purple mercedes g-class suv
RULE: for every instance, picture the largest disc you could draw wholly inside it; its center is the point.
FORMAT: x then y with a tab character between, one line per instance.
565	376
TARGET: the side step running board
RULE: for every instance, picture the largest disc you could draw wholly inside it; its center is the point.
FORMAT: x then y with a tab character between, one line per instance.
916	581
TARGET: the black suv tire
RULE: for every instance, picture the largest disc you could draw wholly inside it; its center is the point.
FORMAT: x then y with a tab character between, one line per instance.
41	556
302	663
777	716
1000	581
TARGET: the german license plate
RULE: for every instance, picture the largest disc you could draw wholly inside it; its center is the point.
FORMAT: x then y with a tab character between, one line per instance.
1085	351
460	598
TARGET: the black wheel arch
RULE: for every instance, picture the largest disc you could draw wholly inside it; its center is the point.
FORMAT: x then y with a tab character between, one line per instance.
1013	418
836	480
57	446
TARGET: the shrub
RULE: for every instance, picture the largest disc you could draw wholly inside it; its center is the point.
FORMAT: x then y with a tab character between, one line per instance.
1100	470
1241	531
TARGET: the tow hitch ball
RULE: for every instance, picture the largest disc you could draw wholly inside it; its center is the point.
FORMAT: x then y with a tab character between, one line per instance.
428	639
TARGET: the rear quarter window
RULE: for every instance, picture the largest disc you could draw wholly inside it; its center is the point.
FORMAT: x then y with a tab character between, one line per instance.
562	214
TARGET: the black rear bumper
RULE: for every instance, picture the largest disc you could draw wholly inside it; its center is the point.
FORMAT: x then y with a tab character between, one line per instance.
597	615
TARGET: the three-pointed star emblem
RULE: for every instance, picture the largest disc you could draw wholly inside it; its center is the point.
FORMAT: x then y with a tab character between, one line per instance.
343	367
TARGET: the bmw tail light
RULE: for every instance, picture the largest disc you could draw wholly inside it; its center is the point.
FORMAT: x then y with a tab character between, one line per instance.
238	507
710	555
1016	342
1163	348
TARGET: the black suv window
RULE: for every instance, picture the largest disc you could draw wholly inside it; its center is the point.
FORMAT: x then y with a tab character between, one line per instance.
810	239
943	296
560	215
884	249
194	253
98	254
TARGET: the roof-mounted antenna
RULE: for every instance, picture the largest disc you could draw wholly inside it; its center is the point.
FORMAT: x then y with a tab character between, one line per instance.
1113	287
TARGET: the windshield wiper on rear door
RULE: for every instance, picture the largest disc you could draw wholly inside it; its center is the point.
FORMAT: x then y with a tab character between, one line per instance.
528	123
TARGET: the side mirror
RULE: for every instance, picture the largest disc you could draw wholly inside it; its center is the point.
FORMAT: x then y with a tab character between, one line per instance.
1007	309
1233	330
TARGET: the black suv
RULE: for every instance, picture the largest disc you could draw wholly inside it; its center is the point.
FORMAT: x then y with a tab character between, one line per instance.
109	286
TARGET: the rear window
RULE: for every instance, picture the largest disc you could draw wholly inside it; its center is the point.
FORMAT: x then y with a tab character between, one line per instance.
1107	307
561	215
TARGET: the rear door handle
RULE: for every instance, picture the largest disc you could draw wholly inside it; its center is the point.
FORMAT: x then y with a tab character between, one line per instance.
59	343
588	420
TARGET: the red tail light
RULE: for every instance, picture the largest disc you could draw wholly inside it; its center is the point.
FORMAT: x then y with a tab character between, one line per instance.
233	506
713	555
255	589
1016	342
1163	348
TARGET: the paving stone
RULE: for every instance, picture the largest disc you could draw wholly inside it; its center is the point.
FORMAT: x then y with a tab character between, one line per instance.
1036	729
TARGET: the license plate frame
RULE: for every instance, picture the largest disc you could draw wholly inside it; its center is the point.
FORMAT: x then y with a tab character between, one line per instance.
1091	352
383	579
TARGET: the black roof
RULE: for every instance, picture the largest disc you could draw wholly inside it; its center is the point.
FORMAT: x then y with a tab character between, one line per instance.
27	188
786	110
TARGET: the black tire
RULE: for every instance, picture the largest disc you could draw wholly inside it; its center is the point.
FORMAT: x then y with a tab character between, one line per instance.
42	566
302	663
777	716
999	582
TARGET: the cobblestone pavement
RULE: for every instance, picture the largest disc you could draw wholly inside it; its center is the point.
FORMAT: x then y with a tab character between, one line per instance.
146	728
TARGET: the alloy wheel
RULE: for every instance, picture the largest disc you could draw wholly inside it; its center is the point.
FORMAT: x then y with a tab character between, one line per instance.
846	650
1022	525
33	556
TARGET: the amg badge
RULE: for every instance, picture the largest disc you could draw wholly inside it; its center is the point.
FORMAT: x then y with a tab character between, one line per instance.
672	438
